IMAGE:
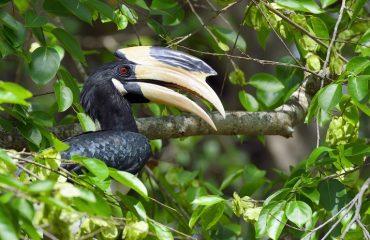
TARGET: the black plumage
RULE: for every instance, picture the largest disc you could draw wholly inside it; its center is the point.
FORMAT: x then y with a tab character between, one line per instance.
123	150
118	144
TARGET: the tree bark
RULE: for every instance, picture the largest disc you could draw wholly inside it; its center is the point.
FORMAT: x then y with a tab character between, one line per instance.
281	122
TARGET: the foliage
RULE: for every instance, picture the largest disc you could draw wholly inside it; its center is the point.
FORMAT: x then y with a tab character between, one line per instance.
168	201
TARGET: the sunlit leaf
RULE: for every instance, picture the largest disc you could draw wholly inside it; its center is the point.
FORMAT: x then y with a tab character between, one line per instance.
95	166
63	96
87	124
266	82
330	96
207	200
298	212
301	5
130	181
358	87
40	186
326	3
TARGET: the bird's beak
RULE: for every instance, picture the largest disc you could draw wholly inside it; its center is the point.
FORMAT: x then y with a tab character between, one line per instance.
156	67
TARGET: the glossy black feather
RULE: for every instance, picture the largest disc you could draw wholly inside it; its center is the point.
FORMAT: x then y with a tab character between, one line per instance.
126	151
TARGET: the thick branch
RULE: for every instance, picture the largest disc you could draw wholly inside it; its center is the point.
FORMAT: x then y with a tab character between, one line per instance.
278	122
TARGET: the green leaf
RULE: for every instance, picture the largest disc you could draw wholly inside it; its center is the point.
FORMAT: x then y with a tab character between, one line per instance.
357	148
326	3
230	179
32	20
333	195
104	9
212	215
156	27
163	4
313	108
315	154
298	212
162	233
357	7
120	20
363	107
237	77
59	145
42	119
130	181
134	205
24	208
276	220
70	44
173	16
196	215
4	157
248	101
87	124
9	181
261	225
207	200
301	5
31	133
330	96
357	65
78	9
71	83
262	36
44	64
358	87
266	82
13	31
311	193
64	95
95	166
253	179
40	186
8	230
30	229
13	93
364	44
129	13
22	5
139	3
319	28
226	36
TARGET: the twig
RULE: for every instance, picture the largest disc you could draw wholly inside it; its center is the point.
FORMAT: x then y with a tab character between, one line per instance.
277	34
324	72
299	27
175	42
330	219
183	212
328	52
346	172
357	215
249	58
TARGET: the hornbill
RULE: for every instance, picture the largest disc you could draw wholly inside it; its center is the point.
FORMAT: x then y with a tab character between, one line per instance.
140	74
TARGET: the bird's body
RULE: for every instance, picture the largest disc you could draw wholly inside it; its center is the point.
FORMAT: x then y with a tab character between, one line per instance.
123	150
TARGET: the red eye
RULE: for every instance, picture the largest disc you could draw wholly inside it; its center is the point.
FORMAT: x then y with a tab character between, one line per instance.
123	71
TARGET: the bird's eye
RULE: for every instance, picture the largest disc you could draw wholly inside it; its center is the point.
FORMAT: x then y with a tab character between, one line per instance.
124	71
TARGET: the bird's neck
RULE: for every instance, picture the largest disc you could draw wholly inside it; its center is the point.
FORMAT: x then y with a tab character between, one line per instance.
112	110
116	114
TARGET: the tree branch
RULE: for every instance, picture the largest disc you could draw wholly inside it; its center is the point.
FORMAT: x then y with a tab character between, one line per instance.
278	122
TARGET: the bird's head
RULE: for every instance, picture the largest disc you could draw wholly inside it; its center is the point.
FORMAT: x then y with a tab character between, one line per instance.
144	73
